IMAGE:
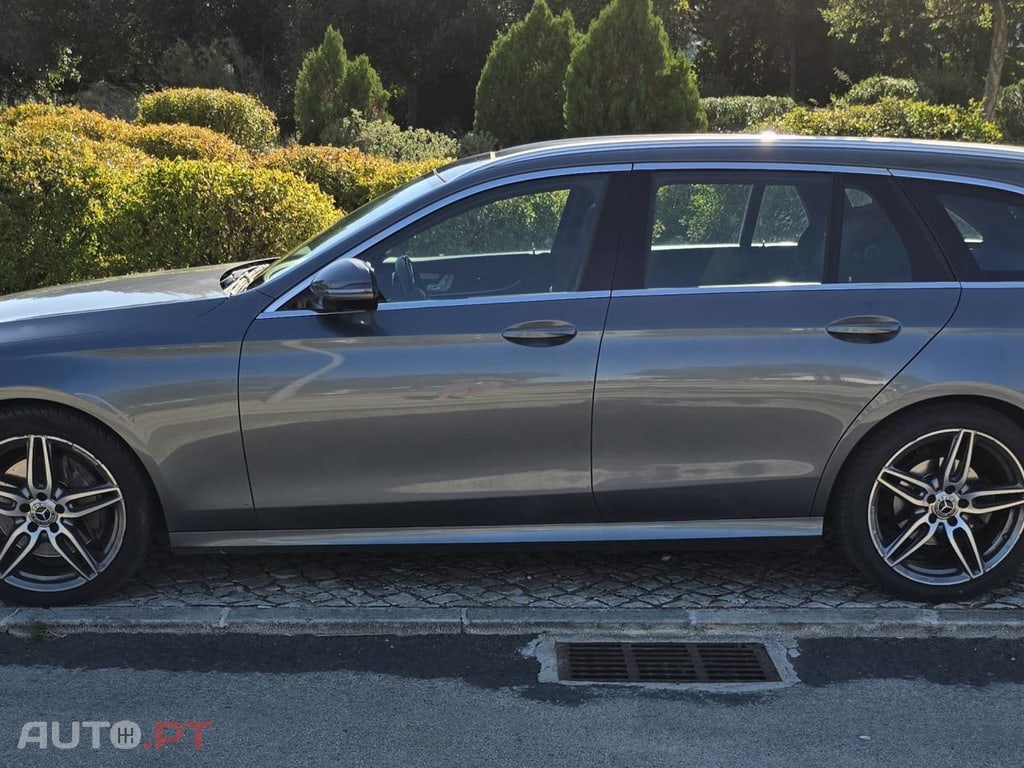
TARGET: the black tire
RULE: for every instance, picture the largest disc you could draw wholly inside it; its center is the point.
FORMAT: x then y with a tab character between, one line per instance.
870	519
116	536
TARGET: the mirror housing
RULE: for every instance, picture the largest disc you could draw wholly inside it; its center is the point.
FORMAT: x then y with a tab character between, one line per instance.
347	285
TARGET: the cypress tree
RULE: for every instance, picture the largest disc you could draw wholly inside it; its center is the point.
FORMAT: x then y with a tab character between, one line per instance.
521	92
623	77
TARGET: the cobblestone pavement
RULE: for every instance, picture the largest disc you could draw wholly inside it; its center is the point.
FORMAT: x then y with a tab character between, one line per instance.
642	580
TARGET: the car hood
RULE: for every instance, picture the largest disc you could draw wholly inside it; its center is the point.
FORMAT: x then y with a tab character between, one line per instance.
115	293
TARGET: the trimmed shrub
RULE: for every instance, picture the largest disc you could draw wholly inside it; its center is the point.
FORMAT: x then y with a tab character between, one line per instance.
648	90
872	90
385	139
17	113
351	177
892	118
1010	112
184	213
57	194
72	121
477	143
157	140
73	208
243	118
329	87
189	142
521	92
735	114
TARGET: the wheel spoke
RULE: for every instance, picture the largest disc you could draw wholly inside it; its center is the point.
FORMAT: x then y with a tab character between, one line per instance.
958	460
103	496
16	534
971	554
897	481
40	470
57	539
1000	498
11	496
922	529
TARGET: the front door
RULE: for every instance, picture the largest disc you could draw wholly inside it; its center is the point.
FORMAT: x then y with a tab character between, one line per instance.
758	314
465	398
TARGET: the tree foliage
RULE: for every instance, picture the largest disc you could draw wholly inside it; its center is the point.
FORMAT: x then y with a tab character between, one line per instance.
521	92
647	89
329	86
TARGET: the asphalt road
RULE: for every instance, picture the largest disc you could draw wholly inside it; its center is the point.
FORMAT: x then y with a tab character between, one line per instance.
412	702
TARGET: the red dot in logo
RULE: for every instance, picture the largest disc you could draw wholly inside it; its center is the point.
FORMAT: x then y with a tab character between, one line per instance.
147	745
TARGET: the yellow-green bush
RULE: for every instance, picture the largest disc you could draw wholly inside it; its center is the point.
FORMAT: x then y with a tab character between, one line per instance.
892	118
69	120
189	142
56	198
73	208
183	213
351	177
241	117
160	140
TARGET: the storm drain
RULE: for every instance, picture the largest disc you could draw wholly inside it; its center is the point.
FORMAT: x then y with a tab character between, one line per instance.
665	663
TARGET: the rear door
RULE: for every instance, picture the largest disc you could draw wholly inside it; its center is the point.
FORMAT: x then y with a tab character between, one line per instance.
755	314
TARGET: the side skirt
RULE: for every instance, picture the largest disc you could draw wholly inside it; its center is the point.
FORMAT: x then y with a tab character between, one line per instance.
687	530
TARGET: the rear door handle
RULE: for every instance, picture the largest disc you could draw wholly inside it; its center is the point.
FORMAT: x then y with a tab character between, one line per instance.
540	333
864	330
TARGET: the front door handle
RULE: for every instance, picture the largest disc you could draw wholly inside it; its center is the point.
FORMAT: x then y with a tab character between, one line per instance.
540	333
864	330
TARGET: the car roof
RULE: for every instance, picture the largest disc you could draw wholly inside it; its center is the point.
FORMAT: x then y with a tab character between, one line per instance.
1000	163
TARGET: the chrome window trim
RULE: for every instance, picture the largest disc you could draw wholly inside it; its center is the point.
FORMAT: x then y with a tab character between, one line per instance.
951	178
777	288
552	173
469	301
684	165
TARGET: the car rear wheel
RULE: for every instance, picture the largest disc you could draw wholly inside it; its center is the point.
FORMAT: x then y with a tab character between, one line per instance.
931	507
75	509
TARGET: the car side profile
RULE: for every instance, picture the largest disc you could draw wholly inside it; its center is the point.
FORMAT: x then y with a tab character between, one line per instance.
642	339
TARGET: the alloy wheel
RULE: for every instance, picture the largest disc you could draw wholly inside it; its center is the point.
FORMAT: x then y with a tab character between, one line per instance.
947	507
62	514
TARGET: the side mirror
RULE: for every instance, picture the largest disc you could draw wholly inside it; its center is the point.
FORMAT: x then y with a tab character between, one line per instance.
347	285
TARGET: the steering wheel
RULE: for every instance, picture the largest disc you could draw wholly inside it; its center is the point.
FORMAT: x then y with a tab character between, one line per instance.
409	281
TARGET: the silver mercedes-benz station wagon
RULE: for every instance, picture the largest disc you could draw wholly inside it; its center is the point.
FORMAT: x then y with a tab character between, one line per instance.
601	341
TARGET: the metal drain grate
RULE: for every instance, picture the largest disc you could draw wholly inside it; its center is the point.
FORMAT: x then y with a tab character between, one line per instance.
665	663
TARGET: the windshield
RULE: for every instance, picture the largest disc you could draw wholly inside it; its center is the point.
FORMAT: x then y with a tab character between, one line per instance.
360	219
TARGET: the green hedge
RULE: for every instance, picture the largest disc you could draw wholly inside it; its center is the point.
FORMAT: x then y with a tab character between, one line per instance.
239	116
891	118
872	90
386	139
184	213
73	208
735	114
351	177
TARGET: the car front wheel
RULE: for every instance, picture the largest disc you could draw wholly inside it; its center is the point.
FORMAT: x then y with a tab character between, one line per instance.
75	509
931	507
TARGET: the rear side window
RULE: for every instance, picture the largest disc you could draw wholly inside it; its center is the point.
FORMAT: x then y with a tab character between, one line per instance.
743	228
981	229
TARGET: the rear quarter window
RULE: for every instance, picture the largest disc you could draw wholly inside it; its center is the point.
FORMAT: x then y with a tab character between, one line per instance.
981	229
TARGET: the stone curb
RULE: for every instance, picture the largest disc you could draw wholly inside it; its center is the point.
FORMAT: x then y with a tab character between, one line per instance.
771	622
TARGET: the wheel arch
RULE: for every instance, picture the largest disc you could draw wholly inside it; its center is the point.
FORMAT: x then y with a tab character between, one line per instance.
869	425
119	431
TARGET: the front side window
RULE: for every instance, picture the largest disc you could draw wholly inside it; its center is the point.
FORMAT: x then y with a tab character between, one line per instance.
526	239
